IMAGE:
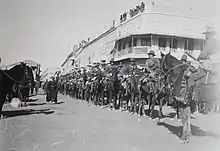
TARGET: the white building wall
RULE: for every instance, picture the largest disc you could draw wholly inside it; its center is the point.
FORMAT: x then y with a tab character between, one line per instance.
171	24
99	50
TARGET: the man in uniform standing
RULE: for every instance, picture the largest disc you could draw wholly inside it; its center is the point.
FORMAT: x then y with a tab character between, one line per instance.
184	103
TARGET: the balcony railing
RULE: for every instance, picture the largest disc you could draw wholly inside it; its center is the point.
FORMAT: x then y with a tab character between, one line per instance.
130	52
141	52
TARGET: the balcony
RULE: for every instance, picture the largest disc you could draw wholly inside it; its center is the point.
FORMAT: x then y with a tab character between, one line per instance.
137	52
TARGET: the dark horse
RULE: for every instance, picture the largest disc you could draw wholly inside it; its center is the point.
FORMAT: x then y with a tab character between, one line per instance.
167	84
175	71
7	79
27	83
114	89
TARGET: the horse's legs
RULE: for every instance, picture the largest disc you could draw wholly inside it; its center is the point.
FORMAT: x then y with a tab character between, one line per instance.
102	98
136	100
141	104
1	106
133	103
161	100
25	101
153	105
149	97
110	99
177	110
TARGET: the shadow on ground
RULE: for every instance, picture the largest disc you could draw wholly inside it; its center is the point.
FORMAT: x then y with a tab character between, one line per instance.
35	104
32	100
196	131
60	102
8	114
155	114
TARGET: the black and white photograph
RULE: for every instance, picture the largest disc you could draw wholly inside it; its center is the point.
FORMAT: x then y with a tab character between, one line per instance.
109	75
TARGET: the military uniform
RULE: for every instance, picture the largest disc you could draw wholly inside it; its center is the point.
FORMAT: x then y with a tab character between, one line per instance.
152	68
132	68
184	104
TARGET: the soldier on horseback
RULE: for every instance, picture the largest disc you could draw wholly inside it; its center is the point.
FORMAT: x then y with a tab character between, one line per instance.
114	82
133	82
184	58
152	67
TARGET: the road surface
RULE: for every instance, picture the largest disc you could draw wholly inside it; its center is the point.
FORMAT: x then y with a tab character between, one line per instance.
74	126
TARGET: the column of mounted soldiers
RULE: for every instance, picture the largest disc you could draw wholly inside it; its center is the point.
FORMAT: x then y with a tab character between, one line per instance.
119	87
108	84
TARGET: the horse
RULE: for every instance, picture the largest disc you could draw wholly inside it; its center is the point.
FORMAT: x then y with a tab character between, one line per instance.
105	90
28	83
114	89
88	87
134	92
7	79
125	92
175	70
121	93
159	94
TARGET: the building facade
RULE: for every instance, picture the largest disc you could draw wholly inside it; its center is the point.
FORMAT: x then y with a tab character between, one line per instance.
69	62
48	73
140	31
97	49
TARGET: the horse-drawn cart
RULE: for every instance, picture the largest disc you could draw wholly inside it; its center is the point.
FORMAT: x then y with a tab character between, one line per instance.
24	89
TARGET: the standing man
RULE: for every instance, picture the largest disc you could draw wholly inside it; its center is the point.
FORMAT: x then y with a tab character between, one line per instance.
184	104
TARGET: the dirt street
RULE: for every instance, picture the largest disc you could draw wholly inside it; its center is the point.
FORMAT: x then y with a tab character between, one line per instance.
73	125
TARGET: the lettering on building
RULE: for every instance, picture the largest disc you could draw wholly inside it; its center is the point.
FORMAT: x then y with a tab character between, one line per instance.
132	12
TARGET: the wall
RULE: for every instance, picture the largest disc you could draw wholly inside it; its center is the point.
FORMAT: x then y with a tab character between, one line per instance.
171	24
98	50
48	73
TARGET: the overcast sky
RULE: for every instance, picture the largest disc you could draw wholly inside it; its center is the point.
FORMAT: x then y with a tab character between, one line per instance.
45	30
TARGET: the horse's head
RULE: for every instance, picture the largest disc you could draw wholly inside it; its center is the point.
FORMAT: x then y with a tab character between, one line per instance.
174	69
17	73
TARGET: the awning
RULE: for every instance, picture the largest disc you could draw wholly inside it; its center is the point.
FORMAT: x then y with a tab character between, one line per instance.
31	63
27	62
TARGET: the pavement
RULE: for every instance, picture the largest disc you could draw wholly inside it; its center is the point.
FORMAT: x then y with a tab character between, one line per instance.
73	125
